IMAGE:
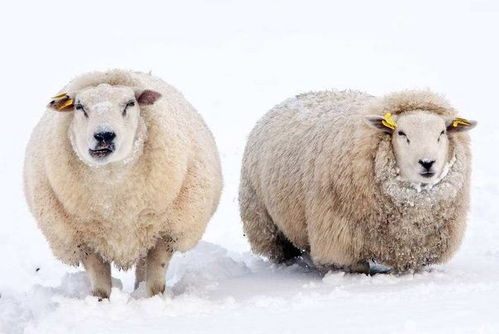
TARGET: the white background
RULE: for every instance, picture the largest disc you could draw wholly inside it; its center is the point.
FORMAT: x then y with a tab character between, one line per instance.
234	60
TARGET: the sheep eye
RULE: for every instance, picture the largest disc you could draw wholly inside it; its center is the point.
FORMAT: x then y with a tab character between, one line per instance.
129	104
79	106
441	133
402	134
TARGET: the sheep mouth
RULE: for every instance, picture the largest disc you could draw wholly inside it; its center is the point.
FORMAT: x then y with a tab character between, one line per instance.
101	153
427	174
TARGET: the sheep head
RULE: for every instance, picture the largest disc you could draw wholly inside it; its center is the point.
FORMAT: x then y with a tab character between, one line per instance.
420	141
106	120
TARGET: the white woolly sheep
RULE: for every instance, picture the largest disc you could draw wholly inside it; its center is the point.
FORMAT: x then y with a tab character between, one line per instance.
122	169
317	179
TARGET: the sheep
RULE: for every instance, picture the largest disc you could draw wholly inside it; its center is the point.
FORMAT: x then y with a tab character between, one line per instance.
347	178
122	169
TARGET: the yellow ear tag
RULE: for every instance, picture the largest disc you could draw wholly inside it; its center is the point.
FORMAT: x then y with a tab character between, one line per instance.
62	101
460	121
388	121
65	104
60	96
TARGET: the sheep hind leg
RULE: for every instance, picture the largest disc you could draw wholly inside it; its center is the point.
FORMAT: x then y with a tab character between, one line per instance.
264	236
156	264
99	274
268	241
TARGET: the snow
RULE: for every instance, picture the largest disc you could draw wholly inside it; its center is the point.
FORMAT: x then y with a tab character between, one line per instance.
234	60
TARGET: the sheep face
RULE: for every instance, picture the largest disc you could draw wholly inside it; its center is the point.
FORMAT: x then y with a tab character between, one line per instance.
421	146
106	122
420	143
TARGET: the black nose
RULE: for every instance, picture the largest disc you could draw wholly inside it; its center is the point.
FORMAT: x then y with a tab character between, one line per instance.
426	163
107	136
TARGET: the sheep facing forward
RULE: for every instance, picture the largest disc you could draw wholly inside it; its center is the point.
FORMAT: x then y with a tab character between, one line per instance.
129	174
316	178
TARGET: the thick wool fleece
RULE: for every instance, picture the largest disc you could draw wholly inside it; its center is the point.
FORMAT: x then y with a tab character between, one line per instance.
316	176
168	189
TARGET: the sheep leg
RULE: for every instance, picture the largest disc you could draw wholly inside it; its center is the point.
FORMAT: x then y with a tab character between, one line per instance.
140	272
99	274
155	267
264	236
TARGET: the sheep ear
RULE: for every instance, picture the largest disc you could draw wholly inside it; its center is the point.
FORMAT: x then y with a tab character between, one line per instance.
62	102
146	96
379	123
459	124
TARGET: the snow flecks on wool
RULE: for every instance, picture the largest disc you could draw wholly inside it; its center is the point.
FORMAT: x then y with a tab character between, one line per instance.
167	187
102	107
403	192
316	178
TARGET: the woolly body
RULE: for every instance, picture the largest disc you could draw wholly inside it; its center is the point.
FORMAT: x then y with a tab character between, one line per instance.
316	178
167	189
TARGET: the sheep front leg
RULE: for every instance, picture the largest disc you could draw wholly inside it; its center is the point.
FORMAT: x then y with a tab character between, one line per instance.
140	272
99	274
156	264
361	267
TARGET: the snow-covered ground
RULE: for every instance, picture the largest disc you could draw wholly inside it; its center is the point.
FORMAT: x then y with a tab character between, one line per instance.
234	60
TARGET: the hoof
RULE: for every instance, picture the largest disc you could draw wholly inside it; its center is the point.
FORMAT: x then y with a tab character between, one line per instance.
155	290
100	294
361	267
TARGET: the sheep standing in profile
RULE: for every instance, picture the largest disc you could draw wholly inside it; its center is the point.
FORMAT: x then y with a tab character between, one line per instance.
122	169
316	178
